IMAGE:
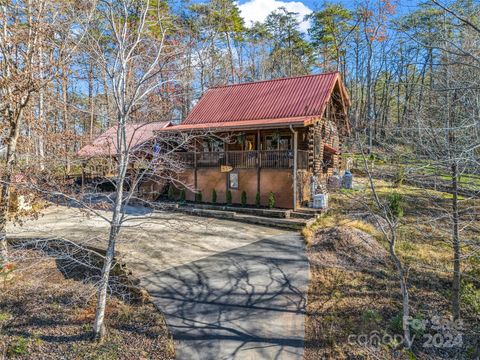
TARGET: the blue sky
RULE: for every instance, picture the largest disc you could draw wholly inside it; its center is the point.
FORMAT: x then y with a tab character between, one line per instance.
257	10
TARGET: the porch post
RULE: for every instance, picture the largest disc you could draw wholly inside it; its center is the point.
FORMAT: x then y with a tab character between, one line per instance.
195	169
258	161
295	156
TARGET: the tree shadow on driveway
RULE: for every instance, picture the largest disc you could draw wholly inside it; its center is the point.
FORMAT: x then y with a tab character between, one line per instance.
245	303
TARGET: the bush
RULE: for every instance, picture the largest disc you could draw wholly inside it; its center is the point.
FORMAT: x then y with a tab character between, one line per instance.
271	200
244	198
18	347
471	297
229	197
183	195
399	177
198	196
214	196
258	199
170	192
395	203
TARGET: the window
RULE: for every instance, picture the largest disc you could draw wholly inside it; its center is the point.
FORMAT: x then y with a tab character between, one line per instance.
217	146
285	143
271	143
250	143
233	180
277	142
214	145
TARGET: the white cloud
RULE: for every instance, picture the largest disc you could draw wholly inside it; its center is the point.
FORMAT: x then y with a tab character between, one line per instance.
258	10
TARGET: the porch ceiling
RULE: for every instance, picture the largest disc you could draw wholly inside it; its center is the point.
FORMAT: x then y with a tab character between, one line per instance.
246	124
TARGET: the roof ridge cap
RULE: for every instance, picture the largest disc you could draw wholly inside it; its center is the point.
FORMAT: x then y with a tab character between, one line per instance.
273	80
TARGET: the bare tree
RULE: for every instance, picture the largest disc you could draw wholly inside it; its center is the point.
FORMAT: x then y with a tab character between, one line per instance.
133	63
447	125
30	38
387	213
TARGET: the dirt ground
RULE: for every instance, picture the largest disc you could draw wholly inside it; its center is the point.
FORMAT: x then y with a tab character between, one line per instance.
43	315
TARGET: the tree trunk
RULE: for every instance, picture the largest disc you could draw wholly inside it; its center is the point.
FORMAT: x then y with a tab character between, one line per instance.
65	116
405	295
230	55
456	246
99	326
41	115
90	99
6	181
369	97
107	99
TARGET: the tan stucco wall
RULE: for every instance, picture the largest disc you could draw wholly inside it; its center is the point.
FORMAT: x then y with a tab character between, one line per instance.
247	181
187	179
209	179
278	181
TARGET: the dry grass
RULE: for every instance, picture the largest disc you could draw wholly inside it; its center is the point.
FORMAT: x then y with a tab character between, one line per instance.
347	296
46	316
327	221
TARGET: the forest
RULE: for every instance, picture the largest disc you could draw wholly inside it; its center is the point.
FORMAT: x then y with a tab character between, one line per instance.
402	71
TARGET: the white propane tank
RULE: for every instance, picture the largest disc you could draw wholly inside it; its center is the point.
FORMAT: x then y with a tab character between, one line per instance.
320	201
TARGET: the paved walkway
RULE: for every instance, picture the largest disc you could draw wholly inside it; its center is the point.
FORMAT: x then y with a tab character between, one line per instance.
246	303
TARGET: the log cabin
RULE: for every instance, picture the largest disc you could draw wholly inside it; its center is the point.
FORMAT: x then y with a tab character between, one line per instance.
284	137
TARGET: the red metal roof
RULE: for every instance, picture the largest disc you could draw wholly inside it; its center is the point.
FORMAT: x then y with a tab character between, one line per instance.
264	101
330	149
137	134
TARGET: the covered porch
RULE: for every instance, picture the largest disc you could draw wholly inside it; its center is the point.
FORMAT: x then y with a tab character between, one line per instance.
251	149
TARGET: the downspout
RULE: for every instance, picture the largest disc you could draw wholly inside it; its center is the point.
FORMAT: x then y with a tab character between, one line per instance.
295	156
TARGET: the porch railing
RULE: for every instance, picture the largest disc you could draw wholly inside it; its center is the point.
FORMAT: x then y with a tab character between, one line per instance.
270	159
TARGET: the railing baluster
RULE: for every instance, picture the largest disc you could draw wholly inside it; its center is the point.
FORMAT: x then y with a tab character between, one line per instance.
273	159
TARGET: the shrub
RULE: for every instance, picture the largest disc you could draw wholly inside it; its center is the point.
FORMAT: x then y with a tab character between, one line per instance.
214	196
18	347
229	197
170	192
471	297
395	203
258	199
198	196
183	195
399	177
271	200
244	198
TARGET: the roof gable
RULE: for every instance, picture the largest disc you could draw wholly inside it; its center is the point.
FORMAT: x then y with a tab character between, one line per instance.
265	100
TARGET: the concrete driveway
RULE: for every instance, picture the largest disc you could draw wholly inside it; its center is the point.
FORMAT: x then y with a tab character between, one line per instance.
228	290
